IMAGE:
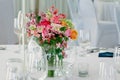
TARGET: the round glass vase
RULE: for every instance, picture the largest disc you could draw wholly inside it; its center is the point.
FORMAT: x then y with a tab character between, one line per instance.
54	66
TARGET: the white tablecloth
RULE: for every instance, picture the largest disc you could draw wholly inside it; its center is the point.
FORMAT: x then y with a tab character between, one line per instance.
92	59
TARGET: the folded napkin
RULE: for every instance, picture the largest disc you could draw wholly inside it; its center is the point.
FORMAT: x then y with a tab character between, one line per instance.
105	54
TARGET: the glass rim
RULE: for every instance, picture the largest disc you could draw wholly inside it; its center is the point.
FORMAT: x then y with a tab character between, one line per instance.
15	60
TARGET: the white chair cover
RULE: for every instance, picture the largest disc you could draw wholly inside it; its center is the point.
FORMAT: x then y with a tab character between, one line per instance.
107	31
107	34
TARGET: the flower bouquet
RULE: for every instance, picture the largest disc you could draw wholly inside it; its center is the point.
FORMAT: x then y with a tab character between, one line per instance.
51	30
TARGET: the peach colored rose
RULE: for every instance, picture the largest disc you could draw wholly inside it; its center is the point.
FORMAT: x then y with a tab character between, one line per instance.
73	34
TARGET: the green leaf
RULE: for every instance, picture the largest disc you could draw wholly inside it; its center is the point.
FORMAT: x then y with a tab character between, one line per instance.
52	42
66	38
58	39
60	56
58	50
38	18
69	23
63	29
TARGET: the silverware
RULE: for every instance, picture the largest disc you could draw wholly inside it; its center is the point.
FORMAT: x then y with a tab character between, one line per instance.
93	50
2	48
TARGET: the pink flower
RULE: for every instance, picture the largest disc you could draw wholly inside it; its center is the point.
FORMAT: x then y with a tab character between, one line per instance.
64	55
44	33
64	44
33	22
29	33
48	27
62	15
55	19
35	33
67	32
43	15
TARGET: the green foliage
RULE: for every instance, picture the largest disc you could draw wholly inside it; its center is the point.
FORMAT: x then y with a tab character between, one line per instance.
69	23
60	56
57	51
53	42
63	29
59	39
38	18
66	38
49	13
32	27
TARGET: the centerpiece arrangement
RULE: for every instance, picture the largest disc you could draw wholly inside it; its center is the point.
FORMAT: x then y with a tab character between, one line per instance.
51	31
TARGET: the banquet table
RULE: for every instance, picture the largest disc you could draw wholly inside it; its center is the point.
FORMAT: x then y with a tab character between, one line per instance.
92	59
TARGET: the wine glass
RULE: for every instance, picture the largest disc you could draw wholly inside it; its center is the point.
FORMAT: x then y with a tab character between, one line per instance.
14	69
84	41
17	31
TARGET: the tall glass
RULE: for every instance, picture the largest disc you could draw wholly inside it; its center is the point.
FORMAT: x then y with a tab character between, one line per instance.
18	31
84	41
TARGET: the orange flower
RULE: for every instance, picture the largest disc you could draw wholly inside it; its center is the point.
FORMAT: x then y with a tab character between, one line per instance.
74	34
63	23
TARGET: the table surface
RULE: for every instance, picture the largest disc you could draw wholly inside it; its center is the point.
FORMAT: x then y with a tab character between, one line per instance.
92	59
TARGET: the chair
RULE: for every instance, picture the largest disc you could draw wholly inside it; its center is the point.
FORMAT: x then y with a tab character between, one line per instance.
107	29
117	19
102	32
74	14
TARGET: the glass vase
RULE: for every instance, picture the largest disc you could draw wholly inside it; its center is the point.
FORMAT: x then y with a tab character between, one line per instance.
54	66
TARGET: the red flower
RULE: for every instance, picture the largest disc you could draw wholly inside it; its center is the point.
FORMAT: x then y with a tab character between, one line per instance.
44	23
55	12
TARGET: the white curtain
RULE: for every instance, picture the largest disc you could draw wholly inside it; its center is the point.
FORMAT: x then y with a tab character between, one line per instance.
61	5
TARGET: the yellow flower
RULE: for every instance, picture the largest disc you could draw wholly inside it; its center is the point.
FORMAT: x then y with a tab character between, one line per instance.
74	34
63	23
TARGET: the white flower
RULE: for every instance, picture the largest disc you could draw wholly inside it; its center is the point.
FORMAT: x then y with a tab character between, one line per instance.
56	26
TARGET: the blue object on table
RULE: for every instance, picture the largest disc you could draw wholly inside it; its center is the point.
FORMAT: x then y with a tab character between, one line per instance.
105	54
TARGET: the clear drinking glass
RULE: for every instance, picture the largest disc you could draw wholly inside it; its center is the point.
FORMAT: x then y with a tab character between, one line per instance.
14	69
84	40
18	31
83	69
